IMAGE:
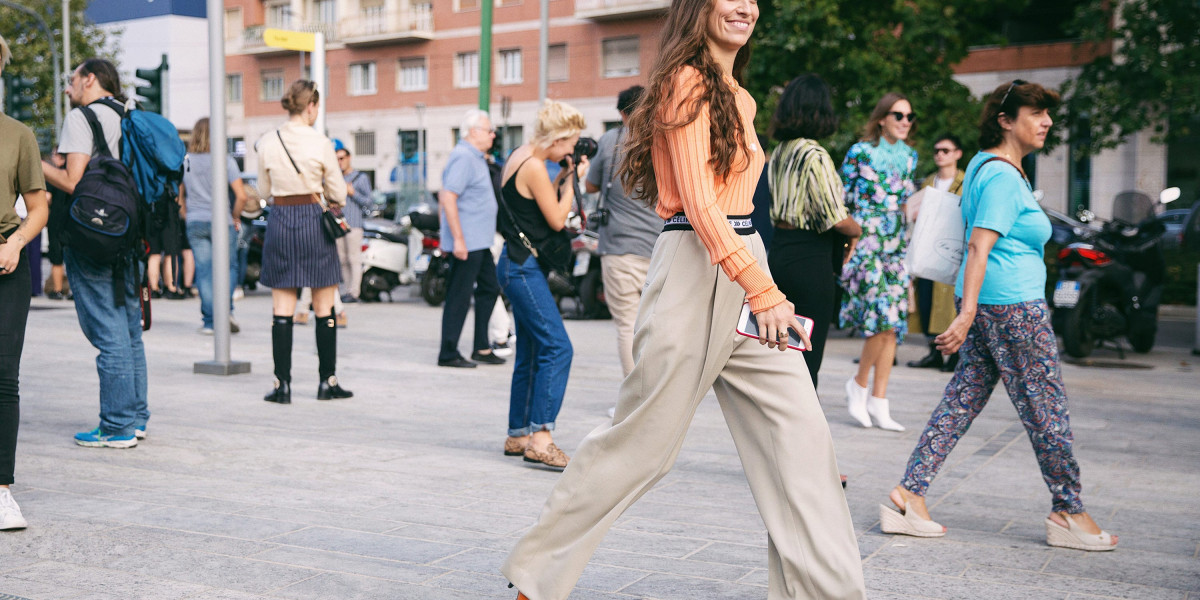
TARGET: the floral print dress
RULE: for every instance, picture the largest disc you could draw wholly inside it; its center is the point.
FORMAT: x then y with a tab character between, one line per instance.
876	184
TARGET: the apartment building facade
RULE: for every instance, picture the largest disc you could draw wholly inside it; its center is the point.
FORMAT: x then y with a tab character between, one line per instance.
397	68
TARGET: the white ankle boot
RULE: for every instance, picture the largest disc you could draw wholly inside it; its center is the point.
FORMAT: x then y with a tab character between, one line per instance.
877	408
856	402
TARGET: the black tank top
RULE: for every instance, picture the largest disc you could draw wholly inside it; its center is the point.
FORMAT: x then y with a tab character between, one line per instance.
529	219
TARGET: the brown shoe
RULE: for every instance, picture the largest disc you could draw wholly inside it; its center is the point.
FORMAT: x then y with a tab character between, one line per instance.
514	446
301	318
552	457
341	320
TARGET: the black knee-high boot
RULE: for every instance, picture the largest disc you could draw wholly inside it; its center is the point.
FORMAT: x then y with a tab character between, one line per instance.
327	360
281	351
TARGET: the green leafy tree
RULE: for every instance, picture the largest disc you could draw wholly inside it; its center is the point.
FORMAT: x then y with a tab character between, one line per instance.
32	57
864	50
1151	79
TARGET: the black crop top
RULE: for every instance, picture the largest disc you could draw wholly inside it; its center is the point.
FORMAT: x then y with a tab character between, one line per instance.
529	219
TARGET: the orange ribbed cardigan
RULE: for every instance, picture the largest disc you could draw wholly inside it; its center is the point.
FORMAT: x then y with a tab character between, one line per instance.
687	183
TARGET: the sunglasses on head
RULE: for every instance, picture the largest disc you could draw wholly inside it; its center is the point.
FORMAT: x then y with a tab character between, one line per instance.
943	150
1014	83
899	116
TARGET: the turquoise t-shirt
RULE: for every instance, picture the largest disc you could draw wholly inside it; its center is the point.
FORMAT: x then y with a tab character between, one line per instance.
996	197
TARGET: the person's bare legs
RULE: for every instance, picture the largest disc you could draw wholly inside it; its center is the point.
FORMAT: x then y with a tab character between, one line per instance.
283	301
873	347
883	362
153	272
188	267
323	299
57	276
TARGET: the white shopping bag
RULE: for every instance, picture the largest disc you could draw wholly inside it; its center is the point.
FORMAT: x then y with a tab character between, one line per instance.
939	238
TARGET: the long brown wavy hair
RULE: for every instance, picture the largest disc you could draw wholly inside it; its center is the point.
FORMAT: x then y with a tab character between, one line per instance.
684	43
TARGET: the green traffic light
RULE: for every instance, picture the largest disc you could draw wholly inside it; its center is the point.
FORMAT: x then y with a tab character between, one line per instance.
18	97
150	96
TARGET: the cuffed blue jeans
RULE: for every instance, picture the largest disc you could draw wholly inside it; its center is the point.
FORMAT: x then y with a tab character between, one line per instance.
543	357
117	333
199	235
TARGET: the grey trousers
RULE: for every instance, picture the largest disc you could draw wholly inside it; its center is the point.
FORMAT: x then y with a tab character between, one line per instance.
684	344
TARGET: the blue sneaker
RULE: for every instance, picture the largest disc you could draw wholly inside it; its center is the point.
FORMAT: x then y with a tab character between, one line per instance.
96	439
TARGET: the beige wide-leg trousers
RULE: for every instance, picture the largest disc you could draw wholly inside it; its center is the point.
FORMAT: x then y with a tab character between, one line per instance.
684	344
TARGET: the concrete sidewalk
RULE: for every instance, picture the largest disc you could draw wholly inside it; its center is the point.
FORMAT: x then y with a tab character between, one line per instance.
403	491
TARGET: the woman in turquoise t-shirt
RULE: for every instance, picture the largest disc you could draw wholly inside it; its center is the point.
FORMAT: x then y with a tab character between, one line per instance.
1003	327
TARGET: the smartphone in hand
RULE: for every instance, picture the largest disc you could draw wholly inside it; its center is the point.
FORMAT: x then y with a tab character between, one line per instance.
748	326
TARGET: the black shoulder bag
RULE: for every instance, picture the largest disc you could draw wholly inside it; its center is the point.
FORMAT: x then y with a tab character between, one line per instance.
333	222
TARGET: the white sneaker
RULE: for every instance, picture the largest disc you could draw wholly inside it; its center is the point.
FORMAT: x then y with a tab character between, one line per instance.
238	294
10	513
612	411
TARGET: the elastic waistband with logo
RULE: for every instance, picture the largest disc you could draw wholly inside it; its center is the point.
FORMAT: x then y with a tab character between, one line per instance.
742	225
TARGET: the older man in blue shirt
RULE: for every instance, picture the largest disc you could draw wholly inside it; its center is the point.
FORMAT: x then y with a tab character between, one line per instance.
468	225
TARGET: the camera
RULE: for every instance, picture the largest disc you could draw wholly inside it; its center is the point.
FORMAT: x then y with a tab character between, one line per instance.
599	217
586	146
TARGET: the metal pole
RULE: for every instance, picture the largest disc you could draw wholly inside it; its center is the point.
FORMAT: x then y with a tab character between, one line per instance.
53	58
318	77
485	58
420	150
164	75
221	363
544	52
64	103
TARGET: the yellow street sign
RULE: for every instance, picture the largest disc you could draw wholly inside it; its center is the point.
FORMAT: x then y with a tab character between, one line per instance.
291	40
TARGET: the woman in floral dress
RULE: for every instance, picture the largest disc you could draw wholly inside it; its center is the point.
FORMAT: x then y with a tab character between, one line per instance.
878	177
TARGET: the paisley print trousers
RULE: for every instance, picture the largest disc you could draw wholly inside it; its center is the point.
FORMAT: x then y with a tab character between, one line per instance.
1013	343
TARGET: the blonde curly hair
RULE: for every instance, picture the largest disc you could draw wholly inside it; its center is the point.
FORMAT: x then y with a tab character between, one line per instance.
556	121
5	53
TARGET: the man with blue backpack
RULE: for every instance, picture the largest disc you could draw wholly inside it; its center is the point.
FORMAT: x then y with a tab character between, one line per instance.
115	184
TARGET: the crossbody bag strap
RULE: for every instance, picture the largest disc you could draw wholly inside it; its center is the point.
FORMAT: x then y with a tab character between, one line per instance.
285	151
511	217
606	181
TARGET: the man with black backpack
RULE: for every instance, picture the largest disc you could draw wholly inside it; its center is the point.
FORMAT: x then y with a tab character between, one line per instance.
101	254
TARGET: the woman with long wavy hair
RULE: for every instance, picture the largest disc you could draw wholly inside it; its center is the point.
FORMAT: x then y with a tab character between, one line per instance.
691	150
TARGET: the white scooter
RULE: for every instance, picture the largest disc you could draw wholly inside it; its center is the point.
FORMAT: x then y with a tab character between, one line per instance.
387	259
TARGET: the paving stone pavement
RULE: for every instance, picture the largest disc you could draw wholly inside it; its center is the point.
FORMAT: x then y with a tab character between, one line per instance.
403	492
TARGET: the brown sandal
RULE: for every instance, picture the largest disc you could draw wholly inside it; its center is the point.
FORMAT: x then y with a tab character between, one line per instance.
514	447
551	457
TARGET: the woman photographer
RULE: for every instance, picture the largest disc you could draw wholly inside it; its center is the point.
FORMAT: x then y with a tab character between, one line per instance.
296	165
532	218
1003	327
692	150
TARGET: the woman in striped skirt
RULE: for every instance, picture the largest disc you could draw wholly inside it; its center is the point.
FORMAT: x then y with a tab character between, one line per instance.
296	165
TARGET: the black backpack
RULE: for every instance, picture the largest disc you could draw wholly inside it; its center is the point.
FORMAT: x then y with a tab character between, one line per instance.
104	219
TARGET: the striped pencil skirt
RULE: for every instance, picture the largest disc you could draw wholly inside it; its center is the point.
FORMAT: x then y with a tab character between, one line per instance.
296	252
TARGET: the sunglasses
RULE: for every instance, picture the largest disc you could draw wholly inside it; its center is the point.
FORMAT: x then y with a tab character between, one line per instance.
943	150
899	116
1014	83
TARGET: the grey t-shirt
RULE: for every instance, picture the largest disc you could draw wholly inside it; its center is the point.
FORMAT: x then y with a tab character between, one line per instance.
77	134
197	183
632	226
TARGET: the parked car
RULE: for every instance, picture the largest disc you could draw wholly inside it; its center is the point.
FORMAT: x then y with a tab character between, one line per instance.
1173	220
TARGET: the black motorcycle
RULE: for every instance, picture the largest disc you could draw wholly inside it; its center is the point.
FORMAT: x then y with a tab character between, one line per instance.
433	264
1110	282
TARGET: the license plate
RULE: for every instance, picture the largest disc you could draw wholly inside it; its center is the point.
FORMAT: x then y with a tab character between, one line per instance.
582	261
1066	294
422	263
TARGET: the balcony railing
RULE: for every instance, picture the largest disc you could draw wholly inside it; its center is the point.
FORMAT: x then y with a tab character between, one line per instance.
600	10
376	26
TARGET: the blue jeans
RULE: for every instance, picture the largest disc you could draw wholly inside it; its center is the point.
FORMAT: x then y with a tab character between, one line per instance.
199	235
243	253
117	333
543	359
